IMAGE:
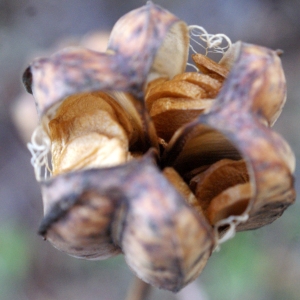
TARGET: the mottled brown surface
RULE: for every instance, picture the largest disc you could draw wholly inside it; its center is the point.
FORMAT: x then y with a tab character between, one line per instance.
130	37
164	241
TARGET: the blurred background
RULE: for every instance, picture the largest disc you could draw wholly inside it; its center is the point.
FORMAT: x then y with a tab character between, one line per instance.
262	264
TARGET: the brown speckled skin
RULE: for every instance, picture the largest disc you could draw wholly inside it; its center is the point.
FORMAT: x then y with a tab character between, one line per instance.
70	71
164	241
239	117
138	36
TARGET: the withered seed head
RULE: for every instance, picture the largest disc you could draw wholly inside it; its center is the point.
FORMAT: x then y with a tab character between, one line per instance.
154	162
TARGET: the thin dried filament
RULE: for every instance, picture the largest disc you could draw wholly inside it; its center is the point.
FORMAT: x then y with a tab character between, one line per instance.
213	43
39	148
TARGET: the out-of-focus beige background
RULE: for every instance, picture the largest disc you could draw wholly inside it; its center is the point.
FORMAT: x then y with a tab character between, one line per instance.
262	264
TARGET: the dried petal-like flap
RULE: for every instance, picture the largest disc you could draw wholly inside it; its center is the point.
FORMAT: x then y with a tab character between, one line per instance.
271	87
233	128
72	71
138	51
132	207
156	38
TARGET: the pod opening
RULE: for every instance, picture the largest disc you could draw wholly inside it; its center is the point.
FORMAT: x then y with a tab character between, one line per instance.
217	174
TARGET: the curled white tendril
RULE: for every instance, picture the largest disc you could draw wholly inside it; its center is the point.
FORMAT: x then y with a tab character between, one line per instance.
39	148
211	43
232	222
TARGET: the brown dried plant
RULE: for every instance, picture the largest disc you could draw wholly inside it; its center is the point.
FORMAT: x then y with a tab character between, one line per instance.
151	161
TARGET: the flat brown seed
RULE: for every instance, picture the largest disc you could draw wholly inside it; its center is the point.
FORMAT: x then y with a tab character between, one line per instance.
155	82
231	202
220	176
178	89
169	114
210	67
210	85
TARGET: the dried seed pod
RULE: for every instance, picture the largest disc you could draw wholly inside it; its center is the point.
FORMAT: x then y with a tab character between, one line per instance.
108	195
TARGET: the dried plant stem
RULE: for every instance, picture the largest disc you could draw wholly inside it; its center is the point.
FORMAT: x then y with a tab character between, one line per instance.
139	290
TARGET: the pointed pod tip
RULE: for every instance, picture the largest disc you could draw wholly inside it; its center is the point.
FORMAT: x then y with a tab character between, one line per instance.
42	231
27	80
279	52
